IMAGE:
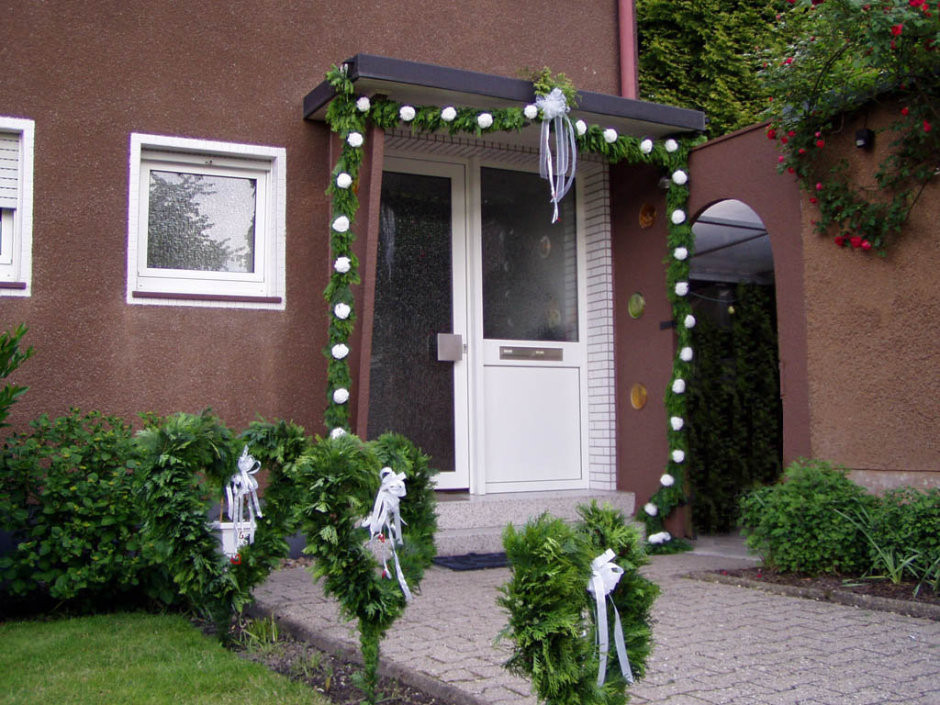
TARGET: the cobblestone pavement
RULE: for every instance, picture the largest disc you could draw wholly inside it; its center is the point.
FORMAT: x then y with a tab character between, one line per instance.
714	643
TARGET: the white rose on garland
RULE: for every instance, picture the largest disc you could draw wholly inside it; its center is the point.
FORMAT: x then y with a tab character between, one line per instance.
660	537
680	253
342	311
682	288
530	111
651	509
677	422
341	395
580	127
678	386
485	120
689	321
678	216
363	104
355	139
448	114
343	180
678	456
610	135
667	480
686	354
407	113
342	265
646	146
341	224
679	177
339	351
671	145
337	432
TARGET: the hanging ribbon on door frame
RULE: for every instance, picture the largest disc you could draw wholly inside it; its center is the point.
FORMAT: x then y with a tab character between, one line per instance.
559	171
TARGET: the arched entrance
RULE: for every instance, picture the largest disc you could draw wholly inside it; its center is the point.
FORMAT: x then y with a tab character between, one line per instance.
735	436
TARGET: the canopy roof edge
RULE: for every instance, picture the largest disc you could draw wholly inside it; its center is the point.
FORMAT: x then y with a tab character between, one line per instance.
431	84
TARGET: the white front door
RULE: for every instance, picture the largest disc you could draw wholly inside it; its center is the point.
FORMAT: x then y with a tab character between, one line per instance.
469	250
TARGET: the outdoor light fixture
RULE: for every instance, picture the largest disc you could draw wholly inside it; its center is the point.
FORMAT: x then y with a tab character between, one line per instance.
864	138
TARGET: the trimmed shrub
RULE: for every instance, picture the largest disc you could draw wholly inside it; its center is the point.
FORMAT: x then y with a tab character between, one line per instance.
551	613
67	497
796	525
905	521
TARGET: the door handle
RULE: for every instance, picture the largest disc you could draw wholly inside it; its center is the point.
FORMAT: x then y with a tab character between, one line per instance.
449	347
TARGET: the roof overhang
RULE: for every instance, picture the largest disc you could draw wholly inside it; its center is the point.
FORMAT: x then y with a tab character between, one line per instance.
429	84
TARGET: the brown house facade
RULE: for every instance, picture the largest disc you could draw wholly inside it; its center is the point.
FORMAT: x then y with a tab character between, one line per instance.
127	116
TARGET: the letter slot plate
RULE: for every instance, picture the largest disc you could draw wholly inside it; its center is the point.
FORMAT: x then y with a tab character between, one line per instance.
449	347
525	353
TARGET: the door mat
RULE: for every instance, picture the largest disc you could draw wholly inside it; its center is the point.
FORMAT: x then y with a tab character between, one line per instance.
473	561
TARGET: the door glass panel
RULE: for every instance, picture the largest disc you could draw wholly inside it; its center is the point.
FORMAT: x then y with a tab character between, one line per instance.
530	265
410	392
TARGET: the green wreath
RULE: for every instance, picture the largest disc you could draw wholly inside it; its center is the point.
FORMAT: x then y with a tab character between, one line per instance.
337	481
551	613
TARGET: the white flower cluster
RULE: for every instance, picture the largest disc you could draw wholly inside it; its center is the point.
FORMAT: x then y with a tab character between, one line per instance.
341	224
651	509
667	480
342	265
355	139
407	113
660	537
342	311
341	395
678	455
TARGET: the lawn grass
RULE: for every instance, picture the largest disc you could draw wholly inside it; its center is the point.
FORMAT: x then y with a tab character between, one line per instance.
132	658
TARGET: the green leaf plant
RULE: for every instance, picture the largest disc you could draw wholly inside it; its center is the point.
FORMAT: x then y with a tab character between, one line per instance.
551	613
349	115
845	58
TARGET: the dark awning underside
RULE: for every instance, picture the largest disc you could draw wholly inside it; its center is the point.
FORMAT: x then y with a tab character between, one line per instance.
428	84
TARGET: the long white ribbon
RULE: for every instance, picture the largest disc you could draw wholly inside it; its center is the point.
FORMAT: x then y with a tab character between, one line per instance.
385	520
560	175
605	574
241	493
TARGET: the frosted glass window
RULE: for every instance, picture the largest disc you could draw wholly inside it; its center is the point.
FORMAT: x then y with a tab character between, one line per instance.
530	265
201	222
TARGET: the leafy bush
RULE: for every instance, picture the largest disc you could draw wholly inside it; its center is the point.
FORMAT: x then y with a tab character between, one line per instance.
548	604
11	357
796	525
903	523
66	495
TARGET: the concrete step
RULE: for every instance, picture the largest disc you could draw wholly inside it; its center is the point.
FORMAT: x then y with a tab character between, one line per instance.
475	523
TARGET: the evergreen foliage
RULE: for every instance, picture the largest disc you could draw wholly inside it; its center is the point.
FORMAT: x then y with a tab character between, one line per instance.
551	612
735	438
705	54
337	480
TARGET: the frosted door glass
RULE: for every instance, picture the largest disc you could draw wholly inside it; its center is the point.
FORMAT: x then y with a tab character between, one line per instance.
530	265
410	391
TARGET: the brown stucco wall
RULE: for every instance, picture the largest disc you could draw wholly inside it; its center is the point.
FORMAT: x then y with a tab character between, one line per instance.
742	166
873	334
89	74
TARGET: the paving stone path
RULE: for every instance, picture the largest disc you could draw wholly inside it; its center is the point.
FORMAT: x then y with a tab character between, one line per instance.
715	643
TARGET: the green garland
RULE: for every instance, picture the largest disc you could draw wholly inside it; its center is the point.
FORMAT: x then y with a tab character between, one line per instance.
349	115
550	611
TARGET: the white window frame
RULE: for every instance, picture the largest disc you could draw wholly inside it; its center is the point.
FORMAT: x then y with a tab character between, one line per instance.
262	289
16	210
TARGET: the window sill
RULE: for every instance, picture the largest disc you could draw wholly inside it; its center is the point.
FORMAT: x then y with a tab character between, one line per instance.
13	285
222	298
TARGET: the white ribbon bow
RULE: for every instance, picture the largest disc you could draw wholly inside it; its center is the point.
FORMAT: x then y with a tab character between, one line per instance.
385	520
605	574
241	494
554	109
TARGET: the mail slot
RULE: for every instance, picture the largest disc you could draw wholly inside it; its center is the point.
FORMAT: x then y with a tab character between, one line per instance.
525	353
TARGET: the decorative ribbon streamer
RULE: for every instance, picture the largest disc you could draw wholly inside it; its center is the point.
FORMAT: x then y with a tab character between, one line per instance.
385	520
554	109
241	494
605	574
